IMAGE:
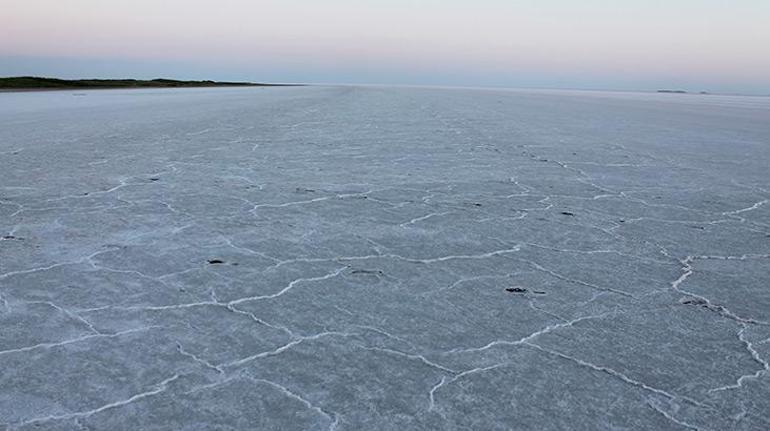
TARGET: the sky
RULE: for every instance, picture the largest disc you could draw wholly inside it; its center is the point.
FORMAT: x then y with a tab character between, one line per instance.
696	45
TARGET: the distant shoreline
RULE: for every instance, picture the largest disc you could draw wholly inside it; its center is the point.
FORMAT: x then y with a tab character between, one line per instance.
34	83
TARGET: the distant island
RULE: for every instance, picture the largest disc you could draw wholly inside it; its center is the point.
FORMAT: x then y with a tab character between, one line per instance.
703	93
38	83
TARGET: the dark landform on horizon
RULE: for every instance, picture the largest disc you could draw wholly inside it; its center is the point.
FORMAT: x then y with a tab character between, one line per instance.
681	92
40	83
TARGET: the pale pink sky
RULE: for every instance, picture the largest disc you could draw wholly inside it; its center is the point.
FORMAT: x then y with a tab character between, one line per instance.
623	43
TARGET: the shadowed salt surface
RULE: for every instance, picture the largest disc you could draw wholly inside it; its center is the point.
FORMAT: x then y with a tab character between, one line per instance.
378	258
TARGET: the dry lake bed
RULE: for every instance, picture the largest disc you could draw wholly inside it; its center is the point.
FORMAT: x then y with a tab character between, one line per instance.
364	258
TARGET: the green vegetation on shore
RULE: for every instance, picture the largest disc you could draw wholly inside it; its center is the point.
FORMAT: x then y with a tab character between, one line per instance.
34	83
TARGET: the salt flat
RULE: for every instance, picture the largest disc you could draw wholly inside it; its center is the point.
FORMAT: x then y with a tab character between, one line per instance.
361	258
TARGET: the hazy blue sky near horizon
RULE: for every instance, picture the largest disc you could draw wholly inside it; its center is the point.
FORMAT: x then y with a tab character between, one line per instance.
714	45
